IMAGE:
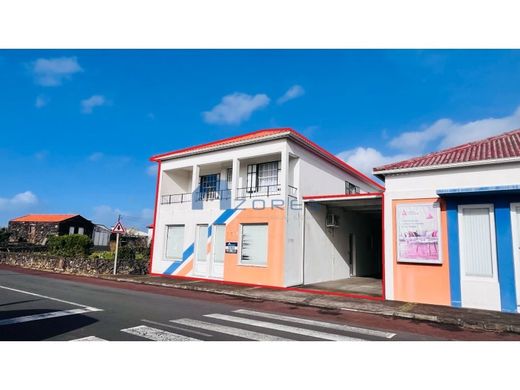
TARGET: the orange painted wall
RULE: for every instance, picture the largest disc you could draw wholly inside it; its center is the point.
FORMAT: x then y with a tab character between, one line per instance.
423	283
273	273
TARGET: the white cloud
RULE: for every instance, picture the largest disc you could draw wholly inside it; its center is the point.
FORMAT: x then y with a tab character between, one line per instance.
41	155
88	105
96	156
50	72
152	170
41	101
445	133
108	216
292	93
235	108
365	159
21	200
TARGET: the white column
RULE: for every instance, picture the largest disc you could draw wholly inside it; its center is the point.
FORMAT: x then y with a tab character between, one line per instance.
234	180
284	173
195	178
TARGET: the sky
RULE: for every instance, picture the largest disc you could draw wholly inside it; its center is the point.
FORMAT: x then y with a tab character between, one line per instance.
77	127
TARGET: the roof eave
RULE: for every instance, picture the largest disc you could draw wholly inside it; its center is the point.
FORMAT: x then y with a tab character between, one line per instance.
382	173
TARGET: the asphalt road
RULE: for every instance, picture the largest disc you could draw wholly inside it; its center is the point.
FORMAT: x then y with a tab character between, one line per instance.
44	306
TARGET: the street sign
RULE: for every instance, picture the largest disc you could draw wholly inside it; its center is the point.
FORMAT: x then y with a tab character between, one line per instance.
118	228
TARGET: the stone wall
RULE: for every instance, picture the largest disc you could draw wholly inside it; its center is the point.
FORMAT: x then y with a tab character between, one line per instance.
21	231
44	261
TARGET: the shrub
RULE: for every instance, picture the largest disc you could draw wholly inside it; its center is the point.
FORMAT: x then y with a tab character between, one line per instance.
74	245
4	236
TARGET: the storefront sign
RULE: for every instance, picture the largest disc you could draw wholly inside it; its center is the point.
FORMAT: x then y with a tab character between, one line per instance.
232	247
418	233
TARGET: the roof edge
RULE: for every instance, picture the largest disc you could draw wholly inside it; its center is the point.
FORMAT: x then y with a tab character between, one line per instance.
382	173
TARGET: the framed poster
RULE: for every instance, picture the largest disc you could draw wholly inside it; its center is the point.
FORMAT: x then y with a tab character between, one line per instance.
418	233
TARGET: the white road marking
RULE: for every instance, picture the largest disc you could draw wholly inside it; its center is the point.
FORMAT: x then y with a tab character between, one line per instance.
246	334
51	298
43	316
156	334
329	325
283	328
89	338
178	328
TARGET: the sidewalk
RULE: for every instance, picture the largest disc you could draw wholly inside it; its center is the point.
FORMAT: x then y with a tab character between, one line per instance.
466	318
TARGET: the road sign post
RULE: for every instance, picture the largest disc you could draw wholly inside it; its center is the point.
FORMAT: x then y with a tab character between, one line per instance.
118	229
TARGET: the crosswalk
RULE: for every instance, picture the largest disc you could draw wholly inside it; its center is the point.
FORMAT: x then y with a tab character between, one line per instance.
249	325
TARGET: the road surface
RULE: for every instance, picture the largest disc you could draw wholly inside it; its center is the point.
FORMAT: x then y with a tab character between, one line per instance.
44	306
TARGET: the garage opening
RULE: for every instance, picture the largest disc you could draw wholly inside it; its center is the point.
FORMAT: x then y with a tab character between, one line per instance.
343	244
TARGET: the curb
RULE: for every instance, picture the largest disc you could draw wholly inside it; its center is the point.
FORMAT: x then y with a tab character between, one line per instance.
470	325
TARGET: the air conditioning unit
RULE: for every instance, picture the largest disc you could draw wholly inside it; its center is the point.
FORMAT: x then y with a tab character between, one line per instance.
332	221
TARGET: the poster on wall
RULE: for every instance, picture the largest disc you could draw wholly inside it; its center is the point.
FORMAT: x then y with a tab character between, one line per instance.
418	233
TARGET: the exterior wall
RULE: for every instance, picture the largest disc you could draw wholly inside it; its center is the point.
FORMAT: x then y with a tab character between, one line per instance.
318	177
299	168
326	255
20	231
424	283
76	222
504	246
435	283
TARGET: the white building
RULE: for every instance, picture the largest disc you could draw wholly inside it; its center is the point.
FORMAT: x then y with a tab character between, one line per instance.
268	208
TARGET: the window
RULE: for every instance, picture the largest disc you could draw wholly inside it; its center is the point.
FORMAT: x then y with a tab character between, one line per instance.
209	186
263	177
81	230
71	229
253	245
174	241
229	176
351	188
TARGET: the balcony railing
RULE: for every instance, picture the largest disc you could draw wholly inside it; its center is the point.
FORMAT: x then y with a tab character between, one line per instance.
242	193
198	196
259	191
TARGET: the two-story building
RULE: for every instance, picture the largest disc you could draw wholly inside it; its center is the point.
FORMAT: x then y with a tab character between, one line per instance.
268	208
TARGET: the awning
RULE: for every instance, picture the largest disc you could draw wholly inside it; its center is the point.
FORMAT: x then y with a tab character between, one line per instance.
446	192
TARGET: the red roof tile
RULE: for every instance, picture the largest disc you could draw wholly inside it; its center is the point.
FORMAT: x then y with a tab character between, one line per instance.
503	146
224	142
268	134
44	218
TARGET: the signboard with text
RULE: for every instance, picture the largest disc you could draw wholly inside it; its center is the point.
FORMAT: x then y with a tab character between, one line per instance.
232	247
418	233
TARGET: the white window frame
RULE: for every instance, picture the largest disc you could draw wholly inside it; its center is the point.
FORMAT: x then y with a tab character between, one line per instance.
81	230
166	241
516	244
246	264
71	228
491	208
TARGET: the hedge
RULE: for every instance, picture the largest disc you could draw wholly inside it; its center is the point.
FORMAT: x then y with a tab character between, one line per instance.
73	245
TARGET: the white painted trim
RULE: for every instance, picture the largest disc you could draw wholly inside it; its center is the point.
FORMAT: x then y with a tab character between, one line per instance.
156	334
51	298
328	325
515	231
446	166
283	328
245	334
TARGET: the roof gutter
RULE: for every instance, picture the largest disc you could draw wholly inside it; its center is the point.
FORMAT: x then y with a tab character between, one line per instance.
382	173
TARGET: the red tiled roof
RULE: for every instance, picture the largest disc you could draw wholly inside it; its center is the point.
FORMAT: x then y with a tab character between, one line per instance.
269	134
44	218
226	141
503	146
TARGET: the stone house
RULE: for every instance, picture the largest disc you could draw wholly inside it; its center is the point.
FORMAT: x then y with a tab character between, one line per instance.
36	228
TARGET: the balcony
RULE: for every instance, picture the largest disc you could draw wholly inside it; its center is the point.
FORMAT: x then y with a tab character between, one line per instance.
241	193
188	197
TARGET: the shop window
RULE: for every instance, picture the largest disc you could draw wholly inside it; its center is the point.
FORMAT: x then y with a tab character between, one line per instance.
253	244
174	242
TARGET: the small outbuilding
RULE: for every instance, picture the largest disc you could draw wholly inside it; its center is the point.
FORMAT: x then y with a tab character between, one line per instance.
36	228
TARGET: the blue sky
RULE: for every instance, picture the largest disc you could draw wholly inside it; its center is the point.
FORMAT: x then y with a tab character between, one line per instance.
78	126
